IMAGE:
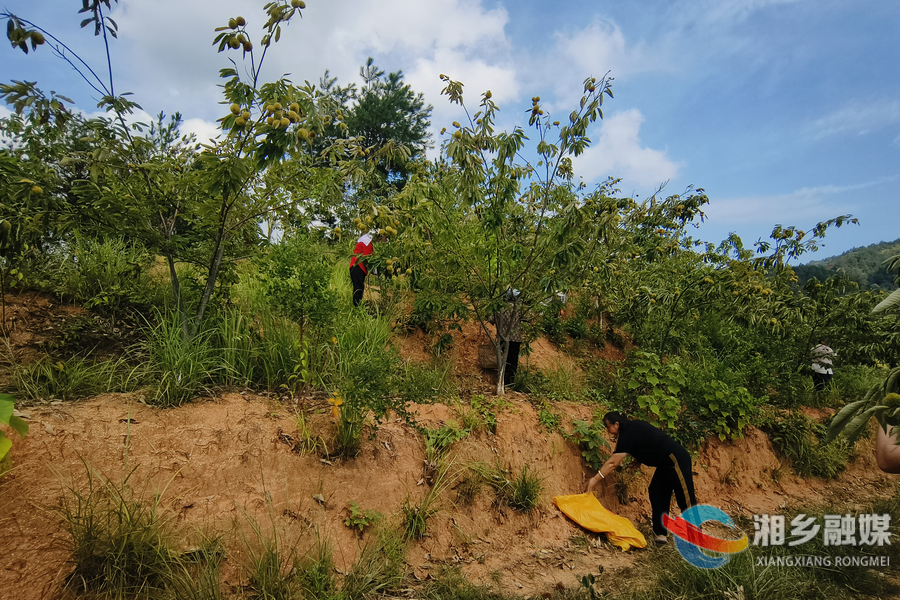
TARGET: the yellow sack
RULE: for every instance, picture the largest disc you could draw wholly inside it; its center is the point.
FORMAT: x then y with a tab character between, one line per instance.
587	511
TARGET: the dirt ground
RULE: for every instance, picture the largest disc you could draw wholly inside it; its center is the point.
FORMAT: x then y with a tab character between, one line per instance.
216	463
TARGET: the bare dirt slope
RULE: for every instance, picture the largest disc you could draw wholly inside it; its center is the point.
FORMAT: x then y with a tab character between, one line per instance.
217	462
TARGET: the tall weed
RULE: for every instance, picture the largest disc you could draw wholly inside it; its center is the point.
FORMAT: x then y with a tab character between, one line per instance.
121	546
380	568
416	516
76	377
182	367
419	383
365	363
802	441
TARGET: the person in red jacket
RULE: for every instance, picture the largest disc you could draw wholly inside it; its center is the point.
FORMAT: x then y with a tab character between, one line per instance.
358	270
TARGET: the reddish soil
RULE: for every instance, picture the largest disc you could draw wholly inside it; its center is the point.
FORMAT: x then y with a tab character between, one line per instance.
215	462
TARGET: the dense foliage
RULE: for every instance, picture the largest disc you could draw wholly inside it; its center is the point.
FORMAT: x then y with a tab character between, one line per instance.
234	254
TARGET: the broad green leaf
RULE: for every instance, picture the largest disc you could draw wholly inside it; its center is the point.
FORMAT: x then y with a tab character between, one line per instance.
7	403
5	445
19	425
891	301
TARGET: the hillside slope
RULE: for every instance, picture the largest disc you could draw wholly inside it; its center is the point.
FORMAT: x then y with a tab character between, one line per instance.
216	463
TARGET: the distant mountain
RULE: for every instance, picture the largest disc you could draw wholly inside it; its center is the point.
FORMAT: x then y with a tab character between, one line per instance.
865	266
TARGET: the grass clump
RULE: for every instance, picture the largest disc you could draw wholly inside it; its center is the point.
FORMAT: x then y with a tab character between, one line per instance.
801	440
451	584
420	383
121	547
197	575
181	365
415	517
521	492
380	568
315	573
76	377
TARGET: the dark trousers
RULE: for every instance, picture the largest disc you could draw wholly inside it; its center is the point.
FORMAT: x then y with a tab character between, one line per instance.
675	478
358	279
512	363
821	381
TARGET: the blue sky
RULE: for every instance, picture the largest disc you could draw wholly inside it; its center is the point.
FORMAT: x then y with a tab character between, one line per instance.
784	111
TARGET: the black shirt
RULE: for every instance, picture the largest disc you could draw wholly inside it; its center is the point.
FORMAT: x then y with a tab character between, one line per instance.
647	444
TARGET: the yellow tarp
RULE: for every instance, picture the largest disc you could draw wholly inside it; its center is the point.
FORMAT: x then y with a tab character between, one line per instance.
587	511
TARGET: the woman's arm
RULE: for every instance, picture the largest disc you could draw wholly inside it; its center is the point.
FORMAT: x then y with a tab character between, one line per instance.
608	467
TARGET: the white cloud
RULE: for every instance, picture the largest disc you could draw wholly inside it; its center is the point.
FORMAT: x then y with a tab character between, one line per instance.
730	11
4	112
618	153
337	35
859	119
805	206
204	130
476	75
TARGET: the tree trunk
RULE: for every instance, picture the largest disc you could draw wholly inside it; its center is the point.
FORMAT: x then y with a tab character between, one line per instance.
176	291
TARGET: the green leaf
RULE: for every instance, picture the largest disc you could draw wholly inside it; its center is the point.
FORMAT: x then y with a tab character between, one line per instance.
891	301
840	420
7	403
5	445
19	425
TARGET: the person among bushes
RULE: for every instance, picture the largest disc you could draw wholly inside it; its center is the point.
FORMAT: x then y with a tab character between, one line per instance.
821	366
358	269
509	329
648	445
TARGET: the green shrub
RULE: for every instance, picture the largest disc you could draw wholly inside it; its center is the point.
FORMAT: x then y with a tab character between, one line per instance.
591	441
361	519
438	441
295	277
530	380
649	389
723	410
7	405
551	324
801	440
107	276
480	413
